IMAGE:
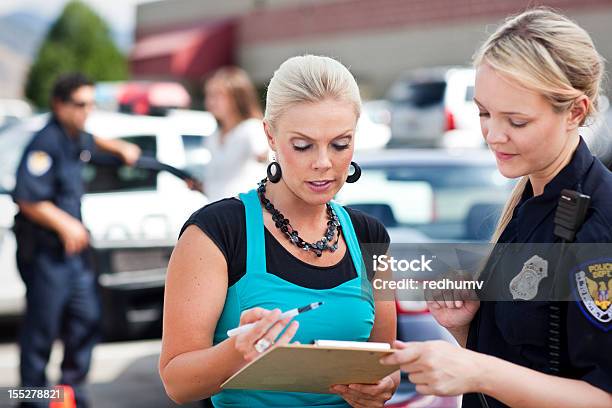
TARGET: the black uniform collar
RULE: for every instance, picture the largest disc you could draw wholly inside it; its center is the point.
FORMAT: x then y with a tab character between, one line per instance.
532	211
68	140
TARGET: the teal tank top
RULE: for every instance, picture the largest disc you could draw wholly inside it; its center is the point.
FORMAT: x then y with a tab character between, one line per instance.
347	313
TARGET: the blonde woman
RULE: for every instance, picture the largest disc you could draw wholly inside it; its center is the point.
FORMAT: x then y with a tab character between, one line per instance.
280	246
537	82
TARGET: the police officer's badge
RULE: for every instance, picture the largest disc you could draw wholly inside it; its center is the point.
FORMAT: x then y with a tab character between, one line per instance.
594	288
525	285
38	162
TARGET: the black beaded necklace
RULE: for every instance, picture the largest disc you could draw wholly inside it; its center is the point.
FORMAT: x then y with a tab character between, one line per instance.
282	223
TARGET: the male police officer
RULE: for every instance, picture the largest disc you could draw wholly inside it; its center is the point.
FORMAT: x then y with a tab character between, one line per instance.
51	239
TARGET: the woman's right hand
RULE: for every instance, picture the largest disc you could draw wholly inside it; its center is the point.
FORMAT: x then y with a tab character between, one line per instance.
267	326
74	235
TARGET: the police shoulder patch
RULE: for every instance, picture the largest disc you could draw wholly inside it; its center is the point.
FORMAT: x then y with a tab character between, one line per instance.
38	162
593	285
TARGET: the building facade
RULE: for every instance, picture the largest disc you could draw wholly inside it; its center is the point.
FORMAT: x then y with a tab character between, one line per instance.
377	39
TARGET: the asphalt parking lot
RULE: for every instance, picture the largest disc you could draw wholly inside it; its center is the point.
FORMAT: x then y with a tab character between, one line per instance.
123	374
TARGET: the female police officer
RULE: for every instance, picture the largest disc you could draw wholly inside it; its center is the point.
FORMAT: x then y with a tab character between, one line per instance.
537	81
235	260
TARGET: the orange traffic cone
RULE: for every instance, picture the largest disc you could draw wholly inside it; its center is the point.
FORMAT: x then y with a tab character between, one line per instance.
68	401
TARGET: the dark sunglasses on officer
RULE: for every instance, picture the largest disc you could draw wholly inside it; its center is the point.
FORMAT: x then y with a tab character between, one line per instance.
81	104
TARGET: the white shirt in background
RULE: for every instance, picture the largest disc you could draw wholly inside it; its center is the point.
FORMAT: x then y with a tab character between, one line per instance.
233	167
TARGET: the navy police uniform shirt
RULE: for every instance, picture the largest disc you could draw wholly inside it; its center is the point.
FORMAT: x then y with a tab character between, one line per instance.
517	331
51	167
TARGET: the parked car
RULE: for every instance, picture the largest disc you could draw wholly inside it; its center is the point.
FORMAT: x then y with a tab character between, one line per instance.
428	196
432	192
134	215
107	94
13	110
597	132
151	98
378	110
372	132
194	126
428	102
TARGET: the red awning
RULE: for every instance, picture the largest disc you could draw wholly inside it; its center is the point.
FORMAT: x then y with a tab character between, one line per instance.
188	53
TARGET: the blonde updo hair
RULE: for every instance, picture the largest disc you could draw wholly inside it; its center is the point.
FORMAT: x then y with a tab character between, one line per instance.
309	79
548	53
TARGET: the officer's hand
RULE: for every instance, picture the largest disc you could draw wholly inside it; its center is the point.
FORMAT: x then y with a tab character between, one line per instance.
74	235
129	153
267	329
453	309
438	367
367	395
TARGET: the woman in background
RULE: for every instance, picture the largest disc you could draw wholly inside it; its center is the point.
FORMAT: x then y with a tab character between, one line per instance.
238	148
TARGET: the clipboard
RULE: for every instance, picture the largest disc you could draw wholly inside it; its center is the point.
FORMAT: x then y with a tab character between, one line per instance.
310	368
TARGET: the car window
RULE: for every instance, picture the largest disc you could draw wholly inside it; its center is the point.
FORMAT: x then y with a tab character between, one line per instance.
192	142
445	202
104	179
418	94
398	195
197	155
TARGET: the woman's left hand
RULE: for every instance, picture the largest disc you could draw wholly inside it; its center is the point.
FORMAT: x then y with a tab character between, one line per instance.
438	367
367	395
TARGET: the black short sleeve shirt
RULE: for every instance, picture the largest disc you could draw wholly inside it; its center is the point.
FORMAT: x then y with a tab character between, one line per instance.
224	222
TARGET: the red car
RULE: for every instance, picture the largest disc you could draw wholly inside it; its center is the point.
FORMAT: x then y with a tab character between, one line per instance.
152	98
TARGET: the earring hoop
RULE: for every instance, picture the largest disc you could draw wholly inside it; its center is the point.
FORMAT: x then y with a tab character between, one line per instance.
355	175
274	172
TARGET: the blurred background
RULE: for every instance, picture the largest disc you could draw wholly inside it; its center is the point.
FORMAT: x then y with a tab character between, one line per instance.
419	136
